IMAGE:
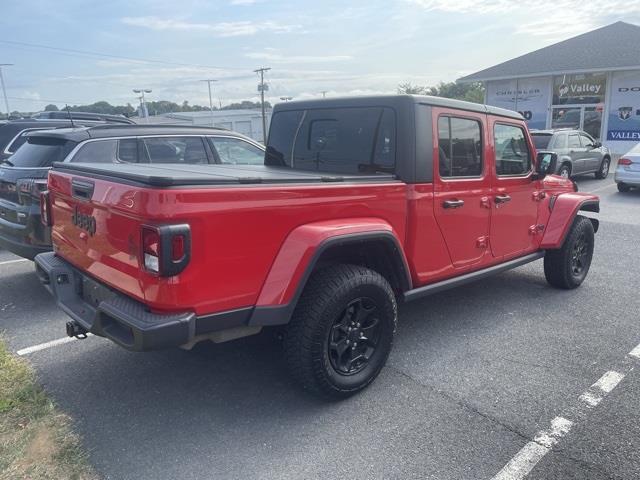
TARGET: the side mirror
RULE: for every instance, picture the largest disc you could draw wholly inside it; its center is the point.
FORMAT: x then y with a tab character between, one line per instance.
546	163
597	144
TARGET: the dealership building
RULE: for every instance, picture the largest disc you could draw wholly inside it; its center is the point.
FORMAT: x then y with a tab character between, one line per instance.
591	82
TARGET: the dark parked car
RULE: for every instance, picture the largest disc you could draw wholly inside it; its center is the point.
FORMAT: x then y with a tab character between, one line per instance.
14	133
23	177
578	152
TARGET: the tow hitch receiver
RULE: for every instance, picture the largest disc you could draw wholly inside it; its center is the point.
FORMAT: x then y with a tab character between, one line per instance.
76	330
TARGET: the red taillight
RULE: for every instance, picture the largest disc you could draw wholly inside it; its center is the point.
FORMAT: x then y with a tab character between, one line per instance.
166	249
625	161
151	249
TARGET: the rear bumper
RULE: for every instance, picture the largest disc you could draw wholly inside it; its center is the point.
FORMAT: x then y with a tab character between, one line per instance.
627	177
110	314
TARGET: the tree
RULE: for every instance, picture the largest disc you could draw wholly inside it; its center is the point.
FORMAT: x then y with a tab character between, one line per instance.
471	92
51	108
408	88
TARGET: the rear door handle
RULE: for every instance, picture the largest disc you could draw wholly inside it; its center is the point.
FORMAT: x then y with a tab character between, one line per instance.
502	198
453	203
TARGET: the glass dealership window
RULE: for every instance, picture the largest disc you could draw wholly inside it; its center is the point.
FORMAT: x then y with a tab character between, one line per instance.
581	88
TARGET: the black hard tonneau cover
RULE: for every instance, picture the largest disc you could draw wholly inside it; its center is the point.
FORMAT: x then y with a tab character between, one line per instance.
172	175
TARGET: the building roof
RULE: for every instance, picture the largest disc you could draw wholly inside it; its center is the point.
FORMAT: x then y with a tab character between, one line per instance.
613	47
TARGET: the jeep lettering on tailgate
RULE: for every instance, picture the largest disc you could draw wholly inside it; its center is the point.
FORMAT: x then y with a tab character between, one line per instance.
83	221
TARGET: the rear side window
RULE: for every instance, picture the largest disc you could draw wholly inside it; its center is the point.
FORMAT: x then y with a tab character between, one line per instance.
541	140
41	152
344	140
459	147
512	151
574	141
237	152
185	150
107	151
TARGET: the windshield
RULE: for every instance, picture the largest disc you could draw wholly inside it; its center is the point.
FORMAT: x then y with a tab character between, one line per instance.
541	140
41	152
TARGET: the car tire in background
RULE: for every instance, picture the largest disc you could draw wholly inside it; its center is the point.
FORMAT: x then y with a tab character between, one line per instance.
603	172
565	171
567	267
342	330
623	188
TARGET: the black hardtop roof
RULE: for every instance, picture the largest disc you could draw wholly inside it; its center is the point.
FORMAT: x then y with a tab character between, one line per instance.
79	134
397	102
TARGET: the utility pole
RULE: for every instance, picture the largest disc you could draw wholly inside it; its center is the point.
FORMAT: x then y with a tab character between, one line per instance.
209	81
324	93
261	88
4	89
143	104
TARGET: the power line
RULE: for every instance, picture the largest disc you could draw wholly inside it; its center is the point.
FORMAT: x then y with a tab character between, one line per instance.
71	51
209	81
262	87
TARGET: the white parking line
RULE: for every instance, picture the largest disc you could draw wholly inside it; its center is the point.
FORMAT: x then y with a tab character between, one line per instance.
527	458
19	260
44	346
608	381
635	352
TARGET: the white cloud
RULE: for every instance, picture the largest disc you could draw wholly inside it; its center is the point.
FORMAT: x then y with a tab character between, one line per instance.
272	55
221	29
555	19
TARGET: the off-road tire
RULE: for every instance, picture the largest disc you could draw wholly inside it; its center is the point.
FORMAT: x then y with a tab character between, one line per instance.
561	267
605	165
568	170
327	297
623	187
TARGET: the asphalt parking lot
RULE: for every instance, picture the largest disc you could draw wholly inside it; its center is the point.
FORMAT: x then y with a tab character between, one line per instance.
476	375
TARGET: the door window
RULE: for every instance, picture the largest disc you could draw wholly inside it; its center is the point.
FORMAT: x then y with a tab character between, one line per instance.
512	151
183	150
460	147
574	141
237	152
560	141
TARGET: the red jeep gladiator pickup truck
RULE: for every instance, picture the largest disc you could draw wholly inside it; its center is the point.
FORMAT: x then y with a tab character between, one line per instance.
361	203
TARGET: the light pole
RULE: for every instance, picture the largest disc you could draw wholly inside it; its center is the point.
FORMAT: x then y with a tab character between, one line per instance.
4	89
210	98
143	104
261	88
324	93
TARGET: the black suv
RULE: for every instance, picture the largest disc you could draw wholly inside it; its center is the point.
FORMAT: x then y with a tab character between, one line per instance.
23	177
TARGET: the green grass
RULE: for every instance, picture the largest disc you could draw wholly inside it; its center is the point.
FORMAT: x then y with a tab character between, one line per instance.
36	440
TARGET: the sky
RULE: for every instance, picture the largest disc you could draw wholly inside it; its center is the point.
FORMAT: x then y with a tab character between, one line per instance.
79	52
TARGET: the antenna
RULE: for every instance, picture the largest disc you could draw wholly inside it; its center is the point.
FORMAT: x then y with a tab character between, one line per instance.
70	117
